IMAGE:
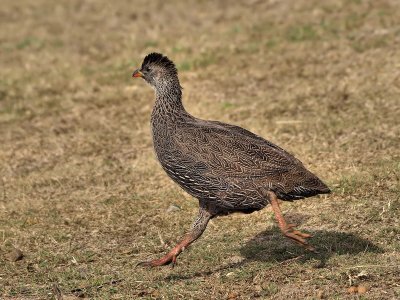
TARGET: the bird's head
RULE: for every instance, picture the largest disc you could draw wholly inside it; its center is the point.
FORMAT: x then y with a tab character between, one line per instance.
158	71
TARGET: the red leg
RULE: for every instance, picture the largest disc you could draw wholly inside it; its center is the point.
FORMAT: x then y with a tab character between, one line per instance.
197	230
288	229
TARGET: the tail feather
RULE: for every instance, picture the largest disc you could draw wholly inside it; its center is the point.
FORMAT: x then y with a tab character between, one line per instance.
310	186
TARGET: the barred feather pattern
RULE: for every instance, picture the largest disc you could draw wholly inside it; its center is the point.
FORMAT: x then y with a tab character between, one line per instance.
228	167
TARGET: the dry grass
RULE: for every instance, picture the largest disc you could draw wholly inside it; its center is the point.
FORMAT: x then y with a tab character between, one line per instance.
83	197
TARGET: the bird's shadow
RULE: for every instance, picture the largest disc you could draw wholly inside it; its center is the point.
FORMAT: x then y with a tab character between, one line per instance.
271	246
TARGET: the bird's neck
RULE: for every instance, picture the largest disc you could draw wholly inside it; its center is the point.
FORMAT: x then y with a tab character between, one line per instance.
168	104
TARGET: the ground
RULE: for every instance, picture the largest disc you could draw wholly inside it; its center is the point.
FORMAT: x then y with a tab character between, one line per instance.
82	194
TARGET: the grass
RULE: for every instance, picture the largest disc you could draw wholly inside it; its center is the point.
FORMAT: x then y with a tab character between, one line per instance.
83	197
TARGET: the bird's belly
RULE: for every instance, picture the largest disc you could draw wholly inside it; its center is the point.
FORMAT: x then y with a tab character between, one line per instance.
226	196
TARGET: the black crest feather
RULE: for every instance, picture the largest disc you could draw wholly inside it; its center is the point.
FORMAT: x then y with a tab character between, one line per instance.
160	60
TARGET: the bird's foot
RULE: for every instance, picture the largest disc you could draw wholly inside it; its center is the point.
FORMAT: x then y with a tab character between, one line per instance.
298	236
166	260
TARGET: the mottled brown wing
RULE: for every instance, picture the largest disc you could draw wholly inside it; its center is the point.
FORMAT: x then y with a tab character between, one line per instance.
231	151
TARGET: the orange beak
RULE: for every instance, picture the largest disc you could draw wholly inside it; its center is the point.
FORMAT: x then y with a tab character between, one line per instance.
137	73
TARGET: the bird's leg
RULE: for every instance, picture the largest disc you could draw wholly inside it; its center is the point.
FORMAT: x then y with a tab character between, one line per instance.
198	228
288	229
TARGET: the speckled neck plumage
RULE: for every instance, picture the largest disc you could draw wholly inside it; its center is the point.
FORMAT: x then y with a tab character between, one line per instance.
168	100
168	110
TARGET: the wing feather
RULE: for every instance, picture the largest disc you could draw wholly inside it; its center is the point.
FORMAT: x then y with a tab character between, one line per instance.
232	151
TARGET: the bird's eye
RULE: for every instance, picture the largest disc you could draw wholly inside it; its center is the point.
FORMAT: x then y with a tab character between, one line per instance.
147	69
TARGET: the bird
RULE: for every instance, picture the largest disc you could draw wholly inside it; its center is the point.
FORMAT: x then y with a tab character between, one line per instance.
228	169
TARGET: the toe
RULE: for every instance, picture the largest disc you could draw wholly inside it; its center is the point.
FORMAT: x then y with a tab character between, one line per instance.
303	235
300	239
146	264
166	260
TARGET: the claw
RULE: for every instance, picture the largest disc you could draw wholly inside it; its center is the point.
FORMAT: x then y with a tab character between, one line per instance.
299	237
173	262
